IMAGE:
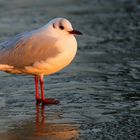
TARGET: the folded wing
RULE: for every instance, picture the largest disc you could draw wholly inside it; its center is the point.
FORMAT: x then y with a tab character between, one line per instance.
26	49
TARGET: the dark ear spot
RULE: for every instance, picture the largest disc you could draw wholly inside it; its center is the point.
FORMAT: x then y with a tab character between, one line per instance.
53	26
61	27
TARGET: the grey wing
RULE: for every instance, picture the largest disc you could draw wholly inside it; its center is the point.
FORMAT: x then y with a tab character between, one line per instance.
26	49
9	49
12	41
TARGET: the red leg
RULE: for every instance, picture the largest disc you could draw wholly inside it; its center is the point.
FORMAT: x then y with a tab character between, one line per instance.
42	87
38	99
46	100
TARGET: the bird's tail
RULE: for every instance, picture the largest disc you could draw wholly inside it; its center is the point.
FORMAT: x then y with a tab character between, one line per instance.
4	67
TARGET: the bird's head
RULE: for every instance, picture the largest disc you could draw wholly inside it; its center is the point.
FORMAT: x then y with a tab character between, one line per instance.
63	26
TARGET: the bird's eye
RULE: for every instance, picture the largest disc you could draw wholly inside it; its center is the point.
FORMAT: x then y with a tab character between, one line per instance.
61	27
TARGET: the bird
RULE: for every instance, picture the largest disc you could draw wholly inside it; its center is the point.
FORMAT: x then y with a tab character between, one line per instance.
40	52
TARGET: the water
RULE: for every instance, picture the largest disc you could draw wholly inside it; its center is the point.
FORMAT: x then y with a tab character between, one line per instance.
99	92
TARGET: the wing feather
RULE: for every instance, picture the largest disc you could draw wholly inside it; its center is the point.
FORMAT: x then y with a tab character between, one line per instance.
27	48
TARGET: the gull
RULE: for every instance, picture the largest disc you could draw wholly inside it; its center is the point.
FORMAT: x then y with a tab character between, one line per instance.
40	52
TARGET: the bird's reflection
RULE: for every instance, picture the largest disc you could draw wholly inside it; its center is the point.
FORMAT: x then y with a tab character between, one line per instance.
56	131
42	126
40	118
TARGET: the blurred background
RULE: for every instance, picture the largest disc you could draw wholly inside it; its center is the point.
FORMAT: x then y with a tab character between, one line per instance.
99	91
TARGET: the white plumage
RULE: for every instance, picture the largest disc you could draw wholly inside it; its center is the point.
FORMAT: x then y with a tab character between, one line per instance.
40	52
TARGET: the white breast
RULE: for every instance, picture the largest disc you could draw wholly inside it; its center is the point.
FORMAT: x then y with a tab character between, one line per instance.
67	48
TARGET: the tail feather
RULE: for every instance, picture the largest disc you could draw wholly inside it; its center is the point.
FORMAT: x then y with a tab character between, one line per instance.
4	67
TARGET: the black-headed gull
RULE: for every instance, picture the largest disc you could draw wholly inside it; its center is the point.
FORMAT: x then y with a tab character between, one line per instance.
40	52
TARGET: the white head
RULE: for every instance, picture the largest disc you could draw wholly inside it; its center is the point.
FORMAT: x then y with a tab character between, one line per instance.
62	26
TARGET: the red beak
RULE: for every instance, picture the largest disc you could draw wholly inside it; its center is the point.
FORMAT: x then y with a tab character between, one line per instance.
75	32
